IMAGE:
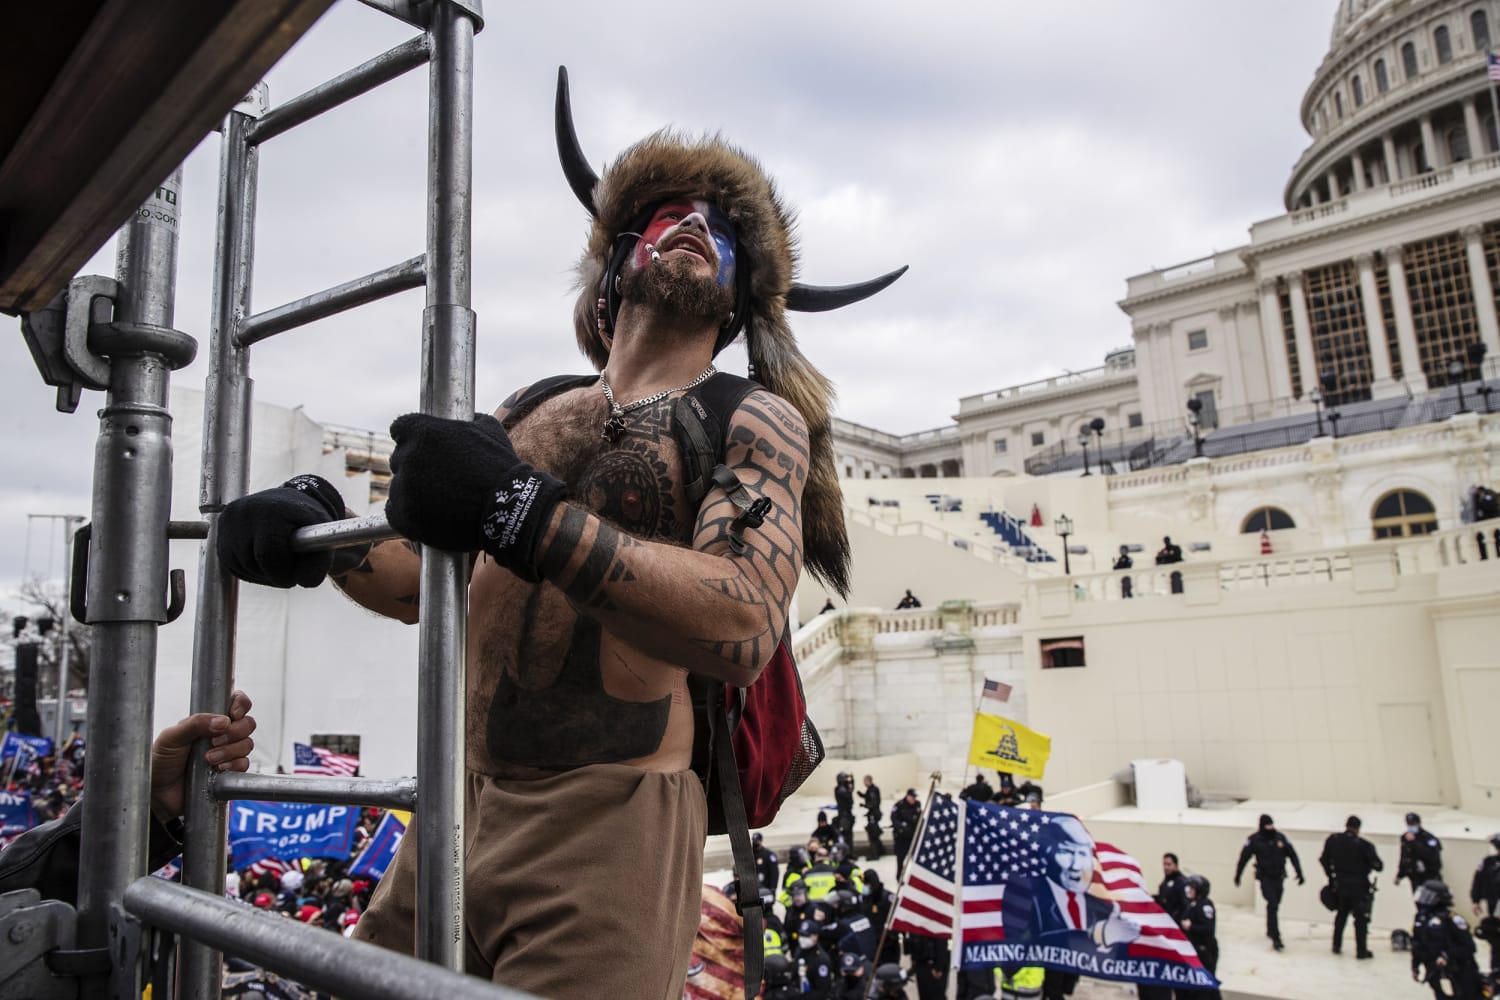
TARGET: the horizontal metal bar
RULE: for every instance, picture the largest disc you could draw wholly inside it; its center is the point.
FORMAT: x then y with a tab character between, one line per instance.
338	534
308	954
418	13
187	529
319	305
345	87
399	794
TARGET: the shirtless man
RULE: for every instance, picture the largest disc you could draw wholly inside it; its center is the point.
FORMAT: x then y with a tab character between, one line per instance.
601	587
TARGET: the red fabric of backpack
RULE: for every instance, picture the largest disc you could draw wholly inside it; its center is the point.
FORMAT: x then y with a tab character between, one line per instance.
775	744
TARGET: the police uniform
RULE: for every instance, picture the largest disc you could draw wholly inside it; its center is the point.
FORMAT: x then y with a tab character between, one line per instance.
815	969
869	797
767	866
904	818
929	965
1485	889
1202	933
1271	851
1421	855
1349	860
1438	935
1171	895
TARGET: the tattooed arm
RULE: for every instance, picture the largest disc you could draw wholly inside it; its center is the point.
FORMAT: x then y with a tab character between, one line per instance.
386	577
703	608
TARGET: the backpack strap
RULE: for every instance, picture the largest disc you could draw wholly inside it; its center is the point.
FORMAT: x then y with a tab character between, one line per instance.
539	392
700	423
747	882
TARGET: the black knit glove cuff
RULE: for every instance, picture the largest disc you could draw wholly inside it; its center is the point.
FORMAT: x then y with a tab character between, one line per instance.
515	517
320	490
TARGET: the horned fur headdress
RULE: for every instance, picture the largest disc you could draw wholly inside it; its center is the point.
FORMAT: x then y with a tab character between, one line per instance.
667	165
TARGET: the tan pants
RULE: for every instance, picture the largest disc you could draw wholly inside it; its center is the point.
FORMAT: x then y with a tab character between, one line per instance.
586	884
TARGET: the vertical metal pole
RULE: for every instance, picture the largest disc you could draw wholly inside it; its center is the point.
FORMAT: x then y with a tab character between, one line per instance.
225	469
60	728
127	584
447	391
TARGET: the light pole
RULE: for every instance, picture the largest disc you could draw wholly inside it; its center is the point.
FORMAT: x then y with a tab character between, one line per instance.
1064	527
1456	376
1097	426
1194	406
1334	417
1317	400
1083	442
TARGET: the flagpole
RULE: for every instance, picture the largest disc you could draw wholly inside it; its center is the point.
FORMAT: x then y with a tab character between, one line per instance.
904	864
956	940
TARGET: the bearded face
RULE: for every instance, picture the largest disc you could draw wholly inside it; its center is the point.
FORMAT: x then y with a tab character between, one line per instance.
690	266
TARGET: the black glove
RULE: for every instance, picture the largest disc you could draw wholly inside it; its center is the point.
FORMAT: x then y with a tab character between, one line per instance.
1300	879
255	533
459	485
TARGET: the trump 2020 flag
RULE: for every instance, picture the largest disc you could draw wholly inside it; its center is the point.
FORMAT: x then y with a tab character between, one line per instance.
288	830
1004	745
1033	888
380	851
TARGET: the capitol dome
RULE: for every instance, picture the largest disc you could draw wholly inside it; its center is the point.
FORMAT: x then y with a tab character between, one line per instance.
1401	94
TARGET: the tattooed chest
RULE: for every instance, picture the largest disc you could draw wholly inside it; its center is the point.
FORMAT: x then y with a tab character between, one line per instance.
634	482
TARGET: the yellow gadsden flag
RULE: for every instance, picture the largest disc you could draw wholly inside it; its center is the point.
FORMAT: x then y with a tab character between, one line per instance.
1008	746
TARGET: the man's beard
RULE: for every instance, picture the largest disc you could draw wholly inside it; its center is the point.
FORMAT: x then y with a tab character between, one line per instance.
673	286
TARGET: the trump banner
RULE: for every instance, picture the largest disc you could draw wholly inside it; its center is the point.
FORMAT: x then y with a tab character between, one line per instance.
29	747
288	830
380	850
1008	746
1022	887
16	814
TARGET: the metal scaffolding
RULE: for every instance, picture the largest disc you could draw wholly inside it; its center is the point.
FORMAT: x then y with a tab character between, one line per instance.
118	335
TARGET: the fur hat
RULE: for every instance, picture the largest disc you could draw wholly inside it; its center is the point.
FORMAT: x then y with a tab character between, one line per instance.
668	164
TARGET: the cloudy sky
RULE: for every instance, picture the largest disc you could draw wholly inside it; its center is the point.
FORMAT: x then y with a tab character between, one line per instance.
1023	158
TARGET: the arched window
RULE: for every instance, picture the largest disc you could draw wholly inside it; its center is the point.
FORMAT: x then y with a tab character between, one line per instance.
1402	513
1458	144
1338	105
1443	44
1479	27
1382	81
1409	60
1359	91
1266	519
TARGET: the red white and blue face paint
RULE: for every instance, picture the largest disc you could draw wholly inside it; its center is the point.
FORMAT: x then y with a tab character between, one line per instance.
669	214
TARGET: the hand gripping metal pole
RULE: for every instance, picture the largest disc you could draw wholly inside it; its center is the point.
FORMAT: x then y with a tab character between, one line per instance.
225	469
447	391
127	582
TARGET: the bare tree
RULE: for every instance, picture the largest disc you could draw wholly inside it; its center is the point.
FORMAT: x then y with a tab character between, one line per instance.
49	604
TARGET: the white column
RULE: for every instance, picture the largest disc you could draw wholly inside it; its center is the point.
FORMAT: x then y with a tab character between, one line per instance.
1333	186
1229	347
1484	292
1307	361
1359	170
1406	333
1316	192
1392	168
1380	351
1145	371
1278	367
1477	143
1429	143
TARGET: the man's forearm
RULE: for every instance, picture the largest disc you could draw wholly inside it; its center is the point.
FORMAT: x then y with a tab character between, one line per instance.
717	615
383	577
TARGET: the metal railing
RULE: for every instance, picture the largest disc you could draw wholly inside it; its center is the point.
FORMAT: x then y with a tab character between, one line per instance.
127	921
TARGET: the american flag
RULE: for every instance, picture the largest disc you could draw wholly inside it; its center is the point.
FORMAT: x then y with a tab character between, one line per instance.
1493	62
996	690
321	760
1000	844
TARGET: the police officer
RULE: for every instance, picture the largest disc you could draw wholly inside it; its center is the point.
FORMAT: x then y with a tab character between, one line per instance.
781	979
1421	855
979	790
767	867
1024	983
890	981
843	798
1199	924
869	797
929	966
854	977
905	815
1441	942
1171	894
775	931
1271	851
1485	889
797	862
878	902
798	906
821	878
1349	859
814	967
